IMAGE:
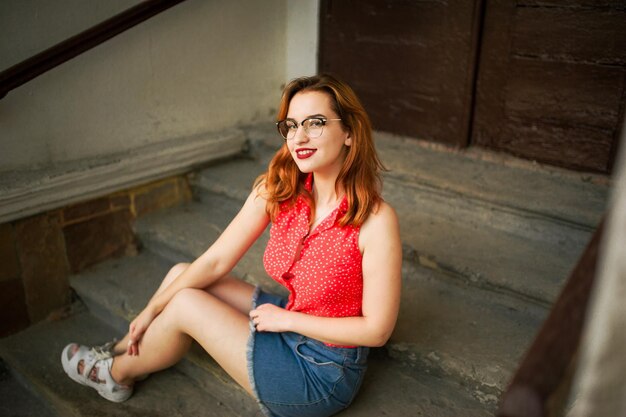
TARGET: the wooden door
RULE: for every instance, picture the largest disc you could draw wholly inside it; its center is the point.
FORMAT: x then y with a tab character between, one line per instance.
411	62
551	81
540	79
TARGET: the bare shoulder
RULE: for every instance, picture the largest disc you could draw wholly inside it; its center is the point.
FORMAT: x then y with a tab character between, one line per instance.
255	205
381	226
383	216
259	193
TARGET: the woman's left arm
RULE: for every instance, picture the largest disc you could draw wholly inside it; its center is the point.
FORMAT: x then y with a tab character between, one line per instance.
379	240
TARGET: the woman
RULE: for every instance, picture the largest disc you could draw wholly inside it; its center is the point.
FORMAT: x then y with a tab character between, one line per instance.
334	244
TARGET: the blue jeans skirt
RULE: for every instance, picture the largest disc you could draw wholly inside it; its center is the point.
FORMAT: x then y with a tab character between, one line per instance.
296	376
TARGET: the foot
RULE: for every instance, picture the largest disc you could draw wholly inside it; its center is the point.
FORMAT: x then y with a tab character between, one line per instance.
112	349
91	368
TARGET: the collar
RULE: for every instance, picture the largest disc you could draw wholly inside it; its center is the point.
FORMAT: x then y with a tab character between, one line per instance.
333	216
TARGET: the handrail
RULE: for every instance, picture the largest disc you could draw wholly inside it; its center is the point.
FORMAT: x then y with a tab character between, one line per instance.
36	65
540	376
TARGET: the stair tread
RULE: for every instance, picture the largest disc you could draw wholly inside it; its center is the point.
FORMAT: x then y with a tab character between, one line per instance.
17	400
486	244
36	352
453	235
389	389
184	233
121	286
475	335
575	197
472	355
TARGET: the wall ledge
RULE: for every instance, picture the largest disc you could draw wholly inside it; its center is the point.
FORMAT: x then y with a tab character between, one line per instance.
28	192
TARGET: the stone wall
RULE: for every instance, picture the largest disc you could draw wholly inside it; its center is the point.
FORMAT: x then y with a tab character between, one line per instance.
165	90
38	253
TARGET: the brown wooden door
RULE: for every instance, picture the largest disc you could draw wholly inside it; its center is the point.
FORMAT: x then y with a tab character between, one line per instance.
551	81
411	62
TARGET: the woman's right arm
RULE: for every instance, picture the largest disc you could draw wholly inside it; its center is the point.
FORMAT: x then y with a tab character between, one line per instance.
218	260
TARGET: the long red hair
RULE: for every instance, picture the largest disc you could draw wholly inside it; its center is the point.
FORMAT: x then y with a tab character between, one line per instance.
360	174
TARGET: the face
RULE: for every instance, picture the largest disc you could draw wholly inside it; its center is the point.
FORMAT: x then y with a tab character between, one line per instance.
324	154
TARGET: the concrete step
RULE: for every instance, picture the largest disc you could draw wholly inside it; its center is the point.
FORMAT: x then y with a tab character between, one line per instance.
38	189
35	353
515	185
117	290
18	400
490	237
120	287
494	221
470	334
391	389
481	266
504	181
445	327
184	233
485	246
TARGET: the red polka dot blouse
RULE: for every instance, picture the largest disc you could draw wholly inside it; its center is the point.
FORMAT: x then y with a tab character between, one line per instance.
322	269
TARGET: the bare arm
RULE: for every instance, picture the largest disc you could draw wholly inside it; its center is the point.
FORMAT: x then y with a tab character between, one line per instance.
382	262
217	261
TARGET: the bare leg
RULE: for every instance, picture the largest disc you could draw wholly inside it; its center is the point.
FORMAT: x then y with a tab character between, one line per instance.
222	330
229	289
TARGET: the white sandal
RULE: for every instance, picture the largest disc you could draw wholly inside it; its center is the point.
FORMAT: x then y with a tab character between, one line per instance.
106	350
102	361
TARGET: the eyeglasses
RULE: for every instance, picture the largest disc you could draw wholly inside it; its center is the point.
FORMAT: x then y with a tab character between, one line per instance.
313	127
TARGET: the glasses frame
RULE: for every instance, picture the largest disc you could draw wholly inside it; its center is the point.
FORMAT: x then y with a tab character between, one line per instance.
323	120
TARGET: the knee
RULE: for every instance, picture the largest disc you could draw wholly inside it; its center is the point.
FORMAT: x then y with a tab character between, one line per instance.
185	299
174	272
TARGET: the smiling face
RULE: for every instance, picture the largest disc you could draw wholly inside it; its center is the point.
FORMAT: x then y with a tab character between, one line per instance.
325	154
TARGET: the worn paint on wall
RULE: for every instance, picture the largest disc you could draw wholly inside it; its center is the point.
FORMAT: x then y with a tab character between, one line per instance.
201	66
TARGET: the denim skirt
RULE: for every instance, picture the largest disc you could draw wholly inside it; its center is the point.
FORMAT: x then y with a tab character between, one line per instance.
296	376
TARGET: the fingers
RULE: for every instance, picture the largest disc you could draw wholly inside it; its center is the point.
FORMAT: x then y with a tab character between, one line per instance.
254	317
132	347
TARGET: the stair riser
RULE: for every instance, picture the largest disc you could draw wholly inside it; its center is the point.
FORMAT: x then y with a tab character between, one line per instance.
565	240
252	270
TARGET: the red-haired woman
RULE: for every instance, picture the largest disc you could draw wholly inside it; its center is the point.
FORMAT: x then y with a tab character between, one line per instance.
334	244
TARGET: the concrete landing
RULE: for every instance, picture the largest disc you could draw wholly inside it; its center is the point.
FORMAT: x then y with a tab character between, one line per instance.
446	326
497	244
17	400
35	354
526	186
196	386
488	242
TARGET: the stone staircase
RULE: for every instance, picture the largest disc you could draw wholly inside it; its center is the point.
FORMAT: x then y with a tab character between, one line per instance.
488	242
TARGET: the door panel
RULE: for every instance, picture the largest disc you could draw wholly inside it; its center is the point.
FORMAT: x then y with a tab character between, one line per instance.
551	82
410	62
540	79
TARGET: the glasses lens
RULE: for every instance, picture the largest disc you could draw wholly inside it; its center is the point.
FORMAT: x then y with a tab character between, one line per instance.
287	128
314	127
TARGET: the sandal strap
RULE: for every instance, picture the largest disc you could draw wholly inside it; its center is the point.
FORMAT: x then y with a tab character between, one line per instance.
104	374
90	360
81	354
105	351
104	382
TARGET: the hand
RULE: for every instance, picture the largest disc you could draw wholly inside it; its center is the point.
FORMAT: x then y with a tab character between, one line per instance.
270	318
137	328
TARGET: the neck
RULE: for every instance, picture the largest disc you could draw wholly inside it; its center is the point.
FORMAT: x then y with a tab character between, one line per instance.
324	192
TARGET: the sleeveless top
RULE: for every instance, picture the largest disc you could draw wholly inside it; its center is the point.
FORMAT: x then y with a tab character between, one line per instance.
322	269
